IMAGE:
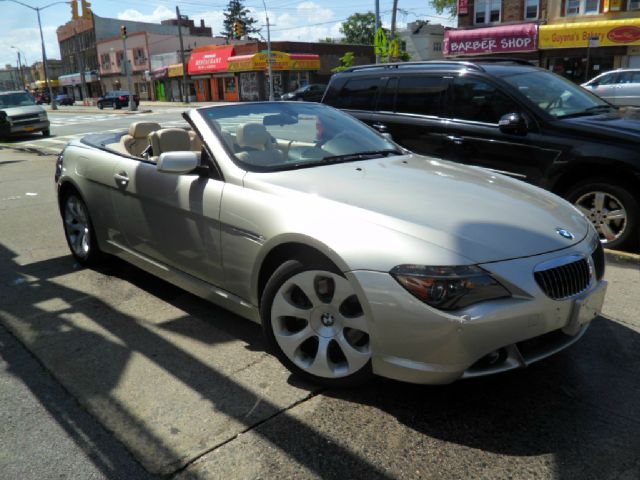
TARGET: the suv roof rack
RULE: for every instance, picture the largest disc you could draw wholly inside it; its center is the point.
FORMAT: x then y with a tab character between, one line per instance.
519	61
402	65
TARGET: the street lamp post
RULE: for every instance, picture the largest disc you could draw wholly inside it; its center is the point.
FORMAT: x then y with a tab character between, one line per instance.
271	97
20	65
44	52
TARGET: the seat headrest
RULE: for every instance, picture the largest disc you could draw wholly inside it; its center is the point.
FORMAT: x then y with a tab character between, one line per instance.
252	135
142	129
169	140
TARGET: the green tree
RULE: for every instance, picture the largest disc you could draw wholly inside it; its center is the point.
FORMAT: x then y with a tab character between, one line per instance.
445	6
237	11
359	28
347	61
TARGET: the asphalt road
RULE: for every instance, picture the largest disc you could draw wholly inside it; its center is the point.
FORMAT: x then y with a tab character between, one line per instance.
100	361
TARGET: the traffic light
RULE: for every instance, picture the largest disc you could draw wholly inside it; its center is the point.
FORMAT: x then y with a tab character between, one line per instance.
86	9
238	29
123	31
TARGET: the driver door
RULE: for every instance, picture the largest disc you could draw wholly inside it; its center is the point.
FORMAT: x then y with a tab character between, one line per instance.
473	136
170	218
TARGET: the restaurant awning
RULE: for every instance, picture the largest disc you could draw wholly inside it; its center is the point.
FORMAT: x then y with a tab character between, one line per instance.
159	73
482	41
212	60
280	61
608	33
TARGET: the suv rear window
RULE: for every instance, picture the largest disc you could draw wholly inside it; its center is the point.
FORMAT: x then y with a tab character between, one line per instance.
358	94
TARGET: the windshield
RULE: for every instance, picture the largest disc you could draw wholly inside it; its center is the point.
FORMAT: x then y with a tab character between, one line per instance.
280	136
556	95
16	99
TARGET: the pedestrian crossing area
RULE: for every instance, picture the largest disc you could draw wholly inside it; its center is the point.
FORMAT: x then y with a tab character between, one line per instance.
66	119
56	143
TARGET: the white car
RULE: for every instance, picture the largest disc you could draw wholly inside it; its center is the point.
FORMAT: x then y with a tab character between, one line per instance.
356	256
619	87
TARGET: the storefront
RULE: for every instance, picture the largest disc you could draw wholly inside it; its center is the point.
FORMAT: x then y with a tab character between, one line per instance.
507	39
160	83
580	51
72	84
290	70
208	70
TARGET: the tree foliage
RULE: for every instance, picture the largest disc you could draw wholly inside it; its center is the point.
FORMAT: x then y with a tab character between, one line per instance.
359	28
237	11
347	61
445	6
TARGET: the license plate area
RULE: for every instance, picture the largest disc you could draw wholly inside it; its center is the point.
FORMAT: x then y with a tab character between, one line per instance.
586	309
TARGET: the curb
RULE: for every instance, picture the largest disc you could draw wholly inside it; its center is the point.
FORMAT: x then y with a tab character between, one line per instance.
97	110
613	256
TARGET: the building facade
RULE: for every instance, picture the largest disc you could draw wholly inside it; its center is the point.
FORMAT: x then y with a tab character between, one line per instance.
78	41
422	40
578	39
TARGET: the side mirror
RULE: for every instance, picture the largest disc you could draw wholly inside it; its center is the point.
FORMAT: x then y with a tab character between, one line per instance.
178	162
513	123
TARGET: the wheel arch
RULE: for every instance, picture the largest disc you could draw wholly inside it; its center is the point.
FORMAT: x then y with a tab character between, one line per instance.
592	168
303	249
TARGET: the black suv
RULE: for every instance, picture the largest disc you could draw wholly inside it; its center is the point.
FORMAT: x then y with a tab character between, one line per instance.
513	118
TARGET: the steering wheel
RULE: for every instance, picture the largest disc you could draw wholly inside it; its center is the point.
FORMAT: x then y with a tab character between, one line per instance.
557	102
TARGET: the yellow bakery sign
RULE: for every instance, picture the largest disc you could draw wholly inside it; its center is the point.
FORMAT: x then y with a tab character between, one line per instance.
279	61
577	35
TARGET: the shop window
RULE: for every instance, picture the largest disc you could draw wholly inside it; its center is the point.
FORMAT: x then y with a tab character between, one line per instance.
488	11
582	7
531	11
359	94
476	100
634	5
420	95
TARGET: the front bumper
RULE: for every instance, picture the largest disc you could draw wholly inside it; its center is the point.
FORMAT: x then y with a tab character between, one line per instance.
8	128
415	343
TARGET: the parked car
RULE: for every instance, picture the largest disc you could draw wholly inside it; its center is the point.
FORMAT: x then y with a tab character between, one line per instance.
42	98
64	99
619	87
116	99
19	114
513	118
308	93
357	256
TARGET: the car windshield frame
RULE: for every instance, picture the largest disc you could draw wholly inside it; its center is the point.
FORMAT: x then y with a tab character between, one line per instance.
555	95
16	100
312	135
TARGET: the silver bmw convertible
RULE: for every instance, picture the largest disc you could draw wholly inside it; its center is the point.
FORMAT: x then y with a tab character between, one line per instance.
356	256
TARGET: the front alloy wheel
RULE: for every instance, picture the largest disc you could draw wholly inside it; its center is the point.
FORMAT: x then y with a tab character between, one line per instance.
314	321
78	230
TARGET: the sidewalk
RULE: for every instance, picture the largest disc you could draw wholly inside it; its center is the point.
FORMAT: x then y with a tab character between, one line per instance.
144	107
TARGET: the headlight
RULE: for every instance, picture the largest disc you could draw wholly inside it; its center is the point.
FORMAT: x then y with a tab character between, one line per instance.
42	116
449	288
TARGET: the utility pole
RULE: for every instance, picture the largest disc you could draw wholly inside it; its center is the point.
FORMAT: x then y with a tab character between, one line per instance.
377	25
20	72
271	96
185	85
125	59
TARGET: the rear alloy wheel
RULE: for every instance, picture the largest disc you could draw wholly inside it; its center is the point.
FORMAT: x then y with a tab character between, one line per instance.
79	231
612	210
314	322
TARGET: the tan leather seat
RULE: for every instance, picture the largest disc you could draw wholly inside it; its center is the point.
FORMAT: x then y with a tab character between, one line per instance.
137	139
196	143
169	140
256	145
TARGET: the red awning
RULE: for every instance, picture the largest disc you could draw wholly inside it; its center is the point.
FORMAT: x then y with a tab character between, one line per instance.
503	39
213	60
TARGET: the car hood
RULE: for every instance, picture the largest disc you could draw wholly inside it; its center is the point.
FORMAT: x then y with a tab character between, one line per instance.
27	110
616	125
480	215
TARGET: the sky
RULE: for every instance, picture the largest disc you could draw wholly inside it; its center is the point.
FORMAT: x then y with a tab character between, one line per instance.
306	21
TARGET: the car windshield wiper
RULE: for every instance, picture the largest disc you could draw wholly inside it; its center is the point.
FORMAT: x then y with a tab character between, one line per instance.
360	156
589	111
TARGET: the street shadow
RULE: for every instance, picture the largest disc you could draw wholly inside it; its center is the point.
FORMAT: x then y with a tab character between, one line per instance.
92	364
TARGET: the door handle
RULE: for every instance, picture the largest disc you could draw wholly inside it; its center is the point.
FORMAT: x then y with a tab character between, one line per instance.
455	139
122	178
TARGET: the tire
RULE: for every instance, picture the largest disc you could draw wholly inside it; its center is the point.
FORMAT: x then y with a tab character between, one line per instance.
78	230
46	133
612	209
100	106
320	337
